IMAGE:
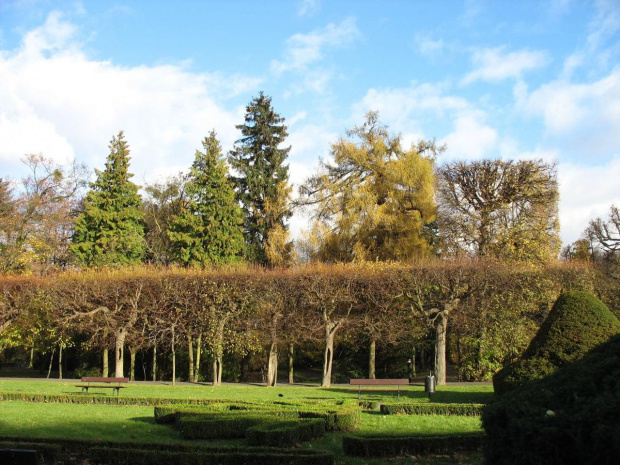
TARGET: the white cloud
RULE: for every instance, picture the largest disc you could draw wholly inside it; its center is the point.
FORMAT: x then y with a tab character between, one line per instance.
493	65
605	24
586	192
471	139
310	142
52	36
427	46
28	134
412	110
308	7
303	50
401	107
57	101
584	116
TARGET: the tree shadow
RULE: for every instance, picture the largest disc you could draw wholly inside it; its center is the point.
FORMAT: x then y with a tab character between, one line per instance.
143	419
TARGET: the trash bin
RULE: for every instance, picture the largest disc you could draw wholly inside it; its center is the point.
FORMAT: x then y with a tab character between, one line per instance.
429	384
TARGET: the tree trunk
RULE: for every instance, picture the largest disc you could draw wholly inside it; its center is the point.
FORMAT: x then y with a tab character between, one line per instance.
330	330
197	360
31	363
372	353
49	369
132	364
218	352
174	359
105	370
217	369
413	367
291	354
272	365
190	351
440	349
120	352
60	361
154	370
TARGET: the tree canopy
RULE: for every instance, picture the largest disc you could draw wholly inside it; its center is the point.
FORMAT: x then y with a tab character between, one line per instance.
373	199
37	216
502	209
261	182
208	229
109	230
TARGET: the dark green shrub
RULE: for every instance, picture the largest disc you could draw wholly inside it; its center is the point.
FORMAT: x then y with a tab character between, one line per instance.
45	452
369	404
341	419
392	446
432	409
572	416
107	399
285	433
112	453
577	323
218	427
232	456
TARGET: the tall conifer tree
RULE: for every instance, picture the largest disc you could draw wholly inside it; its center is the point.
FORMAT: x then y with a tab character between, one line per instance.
110	231
261	183
209	230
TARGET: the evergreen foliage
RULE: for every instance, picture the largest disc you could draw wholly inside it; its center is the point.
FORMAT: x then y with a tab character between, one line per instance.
577	322
568	417
261	182
209	229
109	231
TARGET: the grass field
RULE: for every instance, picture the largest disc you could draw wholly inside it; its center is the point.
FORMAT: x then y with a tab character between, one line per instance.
136	423
462	393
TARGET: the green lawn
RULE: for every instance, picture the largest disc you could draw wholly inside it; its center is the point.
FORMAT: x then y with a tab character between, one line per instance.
136	424
462	393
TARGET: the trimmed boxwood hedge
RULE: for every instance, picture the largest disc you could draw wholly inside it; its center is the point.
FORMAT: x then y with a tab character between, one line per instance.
344	417
219	427
108	400
470	410
278	424
392	446
577	323
113	453
571	416
170	414
284	433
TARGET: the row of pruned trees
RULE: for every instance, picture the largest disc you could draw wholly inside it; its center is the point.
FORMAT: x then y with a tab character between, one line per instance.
480	314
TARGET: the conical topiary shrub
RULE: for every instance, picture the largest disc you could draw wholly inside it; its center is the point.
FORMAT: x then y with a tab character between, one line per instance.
571	416
577	323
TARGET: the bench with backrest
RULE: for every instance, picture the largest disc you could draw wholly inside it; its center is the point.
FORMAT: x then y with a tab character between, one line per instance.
98	382
378	382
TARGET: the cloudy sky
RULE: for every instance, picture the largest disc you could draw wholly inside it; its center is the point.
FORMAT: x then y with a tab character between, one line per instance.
488	78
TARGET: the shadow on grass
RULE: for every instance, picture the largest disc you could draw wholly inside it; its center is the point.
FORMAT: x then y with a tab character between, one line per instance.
143	420
442	395
445	396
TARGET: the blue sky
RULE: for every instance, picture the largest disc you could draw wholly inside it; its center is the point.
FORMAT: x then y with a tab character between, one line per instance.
488	78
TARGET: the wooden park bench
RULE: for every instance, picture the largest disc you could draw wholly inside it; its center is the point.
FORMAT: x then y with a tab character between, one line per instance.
378	382
97	382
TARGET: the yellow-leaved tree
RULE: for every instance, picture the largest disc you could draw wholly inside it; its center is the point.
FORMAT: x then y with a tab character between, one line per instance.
373	200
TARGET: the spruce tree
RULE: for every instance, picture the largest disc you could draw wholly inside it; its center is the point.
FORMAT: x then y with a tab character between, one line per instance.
109	231
262	183
209	229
